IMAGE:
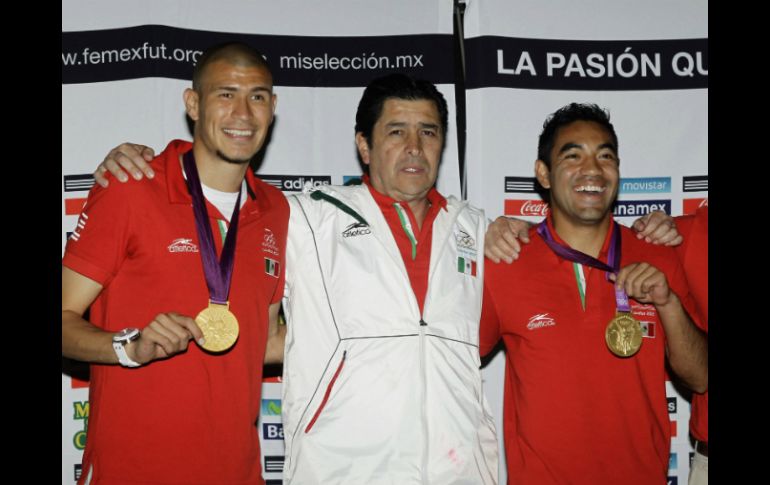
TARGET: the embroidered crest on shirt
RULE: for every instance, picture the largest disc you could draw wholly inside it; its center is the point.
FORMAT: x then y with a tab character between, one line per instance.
182	245
646	314
540	320
466	252
269	244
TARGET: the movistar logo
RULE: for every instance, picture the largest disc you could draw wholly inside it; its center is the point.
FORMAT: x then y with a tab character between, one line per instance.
645	185
271	407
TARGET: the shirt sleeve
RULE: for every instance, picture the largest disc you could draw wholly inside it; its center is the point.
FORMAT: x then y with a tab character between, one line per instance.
100	241
489	327
279	291
678	284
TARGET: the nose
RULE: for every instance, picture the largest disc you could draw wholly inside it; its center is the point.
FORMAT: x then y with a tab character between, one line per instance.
591	165
241	107
413	144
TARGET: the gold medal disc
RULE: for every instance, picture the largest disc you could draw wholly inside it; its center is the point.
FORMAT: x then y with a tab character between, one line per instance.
623	335
219	327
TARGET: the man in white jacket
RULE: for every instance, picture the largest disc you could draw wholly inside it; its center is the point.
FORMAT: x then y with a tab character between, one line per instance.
383	299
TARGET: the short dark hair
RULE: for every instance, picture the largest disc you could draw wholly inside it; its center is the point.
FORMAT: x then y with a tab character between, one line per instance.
566	115
236	53
396	86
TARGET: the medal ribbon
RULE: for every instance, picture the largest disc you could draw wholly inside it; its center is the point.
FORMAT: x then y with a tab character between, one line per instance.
218	273
621	298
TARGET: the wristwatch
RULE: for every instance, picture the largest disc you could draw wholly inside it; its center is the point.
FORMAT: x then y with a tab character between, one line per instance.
119	342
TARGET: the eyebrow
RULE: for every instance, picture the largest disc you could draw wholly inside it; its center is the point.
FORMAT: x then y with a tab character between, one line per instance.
570	145
234	89
401	124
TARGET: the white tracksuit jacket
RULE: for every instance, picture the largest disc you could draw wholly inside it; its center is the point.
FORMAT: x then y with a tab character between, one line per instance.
373	391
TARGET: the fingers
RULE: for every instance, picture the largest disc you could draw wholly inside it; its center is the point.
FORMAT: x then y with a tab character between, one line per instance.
502	242
99	175
672	238
644	283
190	325
519	228
666	233
126	157
502	251
657	228
167	334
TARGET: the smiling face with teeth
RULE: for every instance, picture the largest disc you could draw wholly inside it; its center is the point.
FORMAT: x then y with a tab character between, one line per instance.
583	175
232	109
404	155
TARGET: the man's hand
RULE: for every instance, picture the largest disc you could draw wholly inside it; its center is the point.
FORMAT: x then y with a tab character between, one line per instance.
130	157
686	345
657	228
644	283
168	334
504	238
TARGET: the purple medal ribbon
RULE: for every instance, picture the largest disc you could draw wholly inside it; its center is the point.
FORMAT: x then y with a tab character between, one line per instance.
621	298
217	273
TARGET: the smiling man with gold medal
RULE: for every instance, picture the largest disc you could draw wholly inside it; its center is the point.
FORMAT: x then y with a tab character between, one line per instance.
145	258
585	399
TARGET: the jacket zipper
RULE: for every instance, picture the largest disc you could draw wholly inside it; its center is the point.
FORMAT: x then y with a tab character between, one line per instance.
423	403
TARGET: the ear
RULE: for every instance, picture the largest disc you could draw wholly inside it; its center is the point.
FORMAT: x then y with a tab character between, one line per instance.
363	147
191	101
275	103
542	173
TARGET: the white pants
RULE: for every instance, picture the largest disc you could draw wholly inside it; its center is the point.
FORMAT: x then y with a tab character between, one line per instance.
699	470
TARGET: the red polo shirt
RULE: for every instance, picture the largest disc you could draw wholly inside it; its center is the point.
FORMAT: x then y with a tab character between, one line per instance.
573	411
417	267
189	419
693	253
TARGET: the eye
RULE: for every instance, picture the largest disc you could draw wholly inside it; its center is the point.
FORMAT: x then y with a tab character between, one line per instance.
608	156
258	97
396	132
226	95
429	133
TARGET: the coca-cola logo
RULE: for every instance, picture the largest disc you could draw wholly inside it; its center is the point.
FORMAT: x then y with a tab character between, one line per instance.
535	208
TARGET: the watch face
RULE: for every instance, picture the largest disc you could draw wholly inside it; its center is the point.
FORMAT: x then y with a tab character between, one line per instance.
126	335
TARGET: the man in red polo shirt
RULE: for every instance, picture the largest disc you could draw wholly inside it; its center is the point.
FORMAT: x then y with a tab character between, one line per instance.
585	379
693	254
204	238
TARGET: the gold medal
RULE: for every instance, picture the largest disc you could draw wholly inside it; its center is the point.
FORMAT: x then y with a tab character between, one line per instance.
623	335
219	327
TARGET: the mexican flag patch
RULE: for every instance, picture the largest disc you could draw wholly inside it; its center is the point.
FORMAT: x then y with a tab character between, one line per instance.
648	329
271	267
466	265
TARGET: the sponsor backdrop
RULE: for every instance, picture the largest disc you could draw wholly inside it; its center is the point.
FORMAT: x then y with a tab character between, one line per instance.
124	68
